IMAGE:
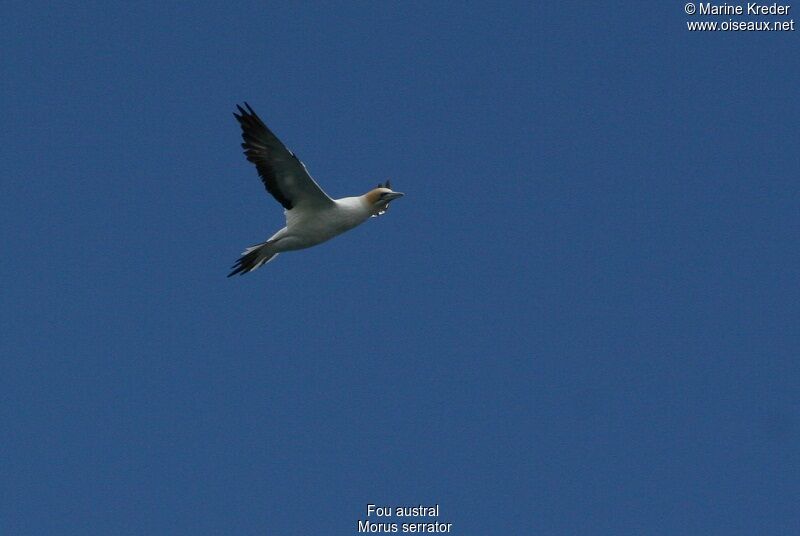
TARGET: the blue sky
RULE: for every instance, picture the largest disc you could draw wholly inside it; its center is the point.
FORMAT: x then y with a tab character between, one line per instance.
581	319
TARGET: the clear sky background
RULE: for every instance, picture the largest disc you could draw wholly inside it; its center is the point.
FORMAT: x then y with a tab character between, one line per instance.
581	319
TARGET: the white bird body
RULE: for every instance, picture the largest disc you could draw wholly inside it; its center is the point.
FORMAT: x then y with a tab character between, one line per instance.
311	216
306	228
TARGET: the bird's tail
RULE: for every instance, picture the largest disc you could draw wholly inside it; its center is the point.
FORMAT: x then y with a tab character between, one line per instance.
254	257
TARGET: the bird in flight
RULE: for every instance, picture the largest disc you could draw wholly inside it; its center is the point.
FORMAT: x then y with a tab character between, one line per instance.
311	216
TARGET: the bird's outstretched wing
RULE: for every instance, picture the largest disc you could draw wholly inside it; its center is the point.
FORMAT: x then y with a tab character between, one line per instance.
282	173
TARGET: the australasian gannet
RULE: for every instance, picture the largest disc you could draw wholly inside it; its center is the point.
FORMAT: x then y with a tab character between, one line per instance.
311	216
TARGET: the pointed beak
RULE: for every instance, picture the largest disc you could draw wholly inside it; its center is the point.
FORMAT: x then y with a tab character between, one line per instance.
392	196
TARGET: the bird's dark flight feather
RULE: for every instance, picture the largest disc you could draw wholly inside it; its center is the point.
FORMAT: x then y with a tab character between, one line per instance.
265	150
245	263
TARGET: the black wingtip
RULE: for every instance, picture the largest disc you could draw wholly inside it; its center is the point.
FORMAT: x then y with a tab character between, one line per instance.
246	263
242	111
238	270
240	267
248	116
